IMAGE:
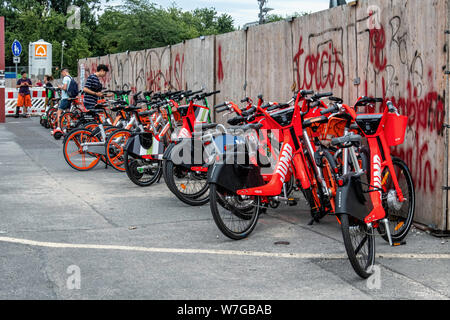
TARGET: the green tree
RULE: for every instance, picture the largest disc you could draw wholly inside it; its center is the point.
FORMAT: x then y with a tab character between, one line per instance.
277	17
140	24
135	25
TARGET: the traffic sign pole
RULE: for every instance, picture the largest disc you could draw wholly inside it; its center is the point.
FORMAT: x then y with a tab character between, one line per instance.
16	51
2	69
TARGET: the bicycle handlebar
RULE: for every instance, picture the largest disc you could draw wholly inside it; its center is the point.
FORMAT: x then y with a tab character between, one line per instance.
391	107
318	96
329	110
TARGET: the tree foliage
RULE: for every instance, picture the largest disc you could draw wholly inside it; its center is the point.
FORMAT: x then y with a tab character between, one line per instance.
276	17
135	25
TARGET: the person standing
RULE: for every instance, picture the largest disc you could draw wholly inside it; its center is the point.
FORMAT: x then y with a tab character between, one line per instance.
49	91
93	87
24	99
64	104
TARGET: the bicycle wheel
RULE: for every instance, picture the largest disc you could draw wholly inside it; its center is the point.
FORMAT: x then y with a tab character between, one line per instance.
142	172
52	117
328	169
188	186
115	148
235	217
67	121
359	243
399	214
73	151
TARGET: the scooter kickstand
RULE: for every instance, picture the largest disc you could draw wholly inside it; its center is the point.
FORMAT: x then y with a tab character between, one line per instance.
388	230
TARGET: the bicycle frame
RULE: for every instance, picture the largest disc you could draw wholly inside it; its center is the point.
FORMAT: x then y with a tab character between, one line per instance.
291	155
380	158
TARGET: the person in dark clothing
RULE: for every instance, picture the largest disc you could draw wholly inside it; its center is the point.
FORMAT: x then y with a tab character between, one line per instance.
49	93
93	87
24	99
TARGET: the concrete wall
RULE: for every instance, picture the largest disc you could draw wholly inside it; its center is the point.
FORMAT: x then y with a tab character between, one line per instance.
391	49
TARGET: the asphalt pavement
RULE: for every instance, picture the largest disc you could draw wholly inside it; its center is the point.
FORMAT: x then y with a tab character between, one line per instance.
66	234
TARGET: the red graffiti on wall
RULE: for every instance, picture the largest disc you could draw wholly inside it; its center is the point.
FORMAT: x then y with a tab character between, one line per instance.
314	71
426	117
157	80
220	74
376	48
92	68
162	80
178	71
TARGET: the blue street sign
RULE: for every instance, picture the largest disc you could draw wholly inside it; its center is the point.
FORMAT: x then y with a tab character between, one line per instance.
16	48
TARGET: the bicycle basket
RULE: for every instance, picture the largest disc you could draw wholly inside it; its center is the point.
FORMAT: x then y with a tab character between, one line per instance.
395	129
146	140
335	128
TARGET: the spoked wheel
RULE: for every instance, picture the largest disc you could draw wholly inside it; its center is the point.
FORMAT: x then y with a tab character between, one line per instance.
67	120
359	243
115	147
74	154
188	186
399	214
234	216
93	126
142	172
52	118
328	169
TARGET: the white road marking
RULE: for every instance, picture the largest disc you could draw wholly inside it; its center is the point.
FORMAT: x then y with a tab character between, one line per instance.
216	252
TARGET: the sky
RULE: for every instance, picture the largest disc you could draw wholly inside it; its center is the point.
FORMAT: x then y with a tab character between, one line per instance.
244	11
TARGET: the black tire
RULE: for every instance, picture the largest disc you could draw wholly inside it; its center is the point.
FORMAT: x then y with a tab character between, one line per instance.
224	208
400	221
142	179
198	197
77	135
327	166
58	135
351	229
112	152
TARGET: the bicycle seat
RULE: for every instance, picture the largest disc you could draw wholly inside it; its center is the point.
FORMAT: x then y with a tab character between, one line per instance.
317	120
122	92
347	141
236	120
95	111
132	108
183	110
115	109
205	126
146	113
120	102
251	126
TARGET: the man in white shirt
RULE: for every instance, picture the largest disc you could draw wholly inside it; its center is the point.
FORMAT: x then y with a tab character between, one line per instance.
64	104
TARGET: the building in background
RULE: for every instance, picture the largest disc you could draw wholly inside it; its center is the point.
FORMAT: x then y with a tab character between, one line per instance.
40	59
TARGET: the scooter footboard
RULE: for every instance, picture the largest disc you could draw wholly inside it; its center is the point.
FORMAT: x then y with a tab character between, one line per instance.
351	199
